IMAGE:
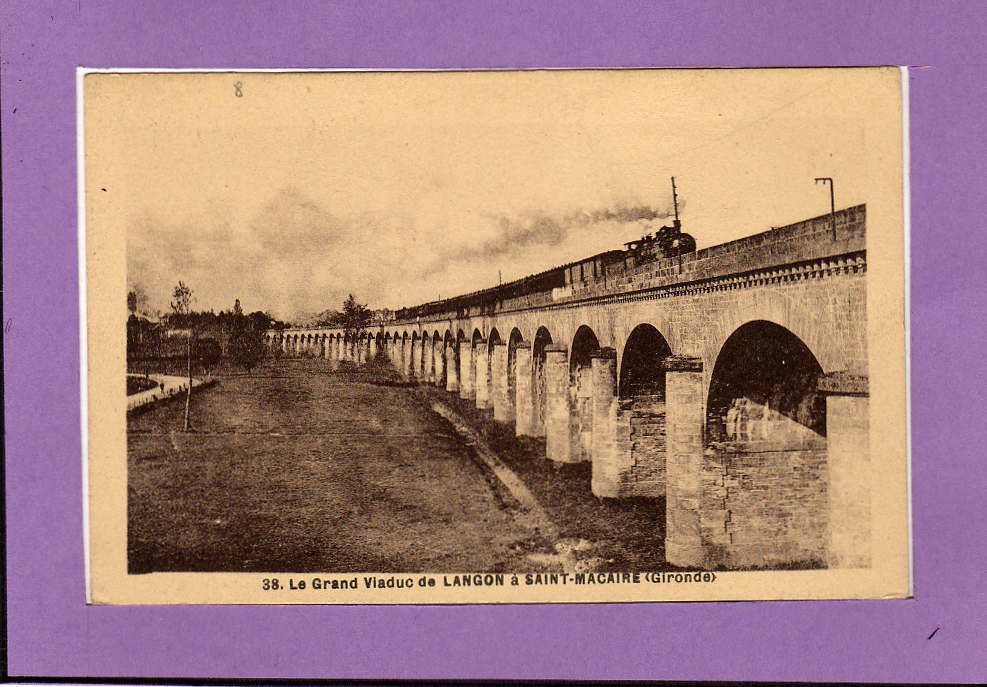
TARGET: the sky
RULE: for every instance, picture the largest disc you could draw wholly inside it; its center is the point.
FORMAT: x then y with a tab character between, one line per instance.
405	187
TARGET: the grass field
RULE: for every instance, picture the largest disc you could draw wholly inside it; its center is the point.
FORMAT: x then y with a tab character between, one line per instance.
295	468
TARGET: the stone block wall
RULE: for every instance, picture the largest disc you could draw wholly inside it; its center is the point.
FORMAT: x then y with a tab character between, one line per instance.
639	430
765	504
581	414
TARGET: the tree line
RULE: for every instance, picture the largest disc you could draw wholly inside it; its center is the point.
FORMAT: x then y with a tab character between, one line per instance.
205	337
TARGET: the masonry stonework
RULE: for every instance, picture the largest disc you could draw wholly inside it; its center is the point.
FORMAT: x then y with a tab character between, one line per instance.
684	544
791	499
524	404
605	476
498	383
466	389
482	383
558	430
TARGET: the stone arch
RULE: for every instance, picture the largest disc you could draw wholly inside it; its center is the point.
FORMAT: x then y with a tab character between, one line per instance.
763	387
440	341
380	349
475	343
425	364
414	354
538	388
584	344
641	368
492	340
638	454
784	311
460	367
766	431
436	361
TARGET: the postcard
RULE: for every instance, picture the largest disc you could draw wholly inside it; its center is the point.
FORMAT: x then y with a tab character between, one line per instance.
495	336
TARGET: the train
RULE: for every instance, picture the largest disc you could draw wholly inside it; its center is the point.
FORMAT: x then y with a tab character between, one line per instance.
667	242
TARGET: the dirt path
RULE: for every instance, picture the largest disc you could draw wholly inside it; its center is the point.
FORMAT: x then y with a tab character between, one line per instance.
294	468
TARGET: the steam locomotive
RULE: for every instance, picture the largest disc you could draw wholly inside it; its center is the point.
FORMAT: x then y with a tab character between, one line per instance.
666	242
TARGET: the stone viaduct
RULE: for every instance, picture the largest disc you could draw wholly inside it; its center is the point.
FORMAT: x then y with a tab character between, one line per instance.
729	384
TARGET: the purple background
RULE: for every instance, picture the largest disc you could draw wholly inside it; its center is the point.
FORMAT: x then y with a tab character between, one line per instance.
52	631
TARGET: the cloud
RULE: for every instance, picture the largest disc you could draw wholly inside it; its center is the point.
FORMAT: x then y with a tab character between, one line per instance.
293	257
535	230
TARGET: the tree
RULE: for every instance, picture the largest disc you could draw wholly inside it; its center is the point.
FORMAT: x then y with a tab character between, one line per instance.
181	299
207	353
181	304
261	321
355	317
246	348
245	345
136	299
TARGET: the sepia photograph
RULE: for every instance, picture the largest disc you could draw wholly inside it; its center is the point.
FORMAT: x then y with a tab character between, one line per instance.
495	336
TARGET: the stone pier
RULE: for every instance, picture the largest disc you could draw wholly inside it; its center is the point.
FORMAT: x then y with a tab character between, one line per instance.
606	469
524	406
499	387
684	461
452	373
482	380
558	434
466	389
848	457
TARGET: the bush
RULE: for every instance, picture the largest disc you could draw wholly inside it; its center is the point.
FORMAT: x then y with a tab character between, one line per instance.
207	352
246	348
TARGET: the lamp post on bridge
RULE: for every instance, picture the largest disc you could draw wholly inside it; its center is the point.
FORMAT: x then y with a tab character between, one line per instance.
832	200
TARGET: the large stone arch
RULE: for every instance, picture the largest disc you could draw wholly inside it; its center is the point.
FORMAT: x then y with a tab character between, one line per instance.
763	384
766	431
630	457
779	309
641	364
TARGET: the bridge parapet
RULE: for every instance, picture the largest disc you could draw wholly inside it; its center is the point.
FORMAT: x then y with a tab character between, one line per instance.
823	238
807	241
